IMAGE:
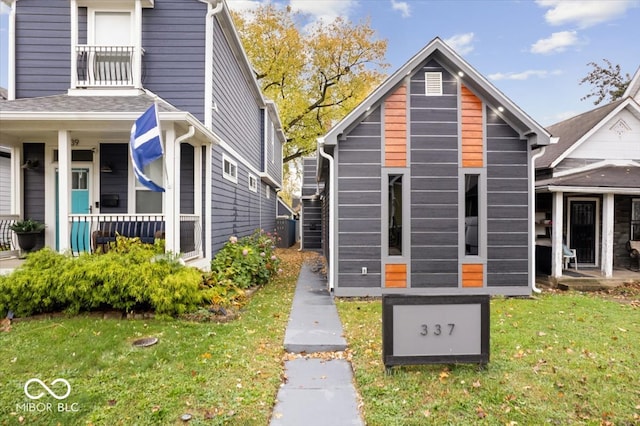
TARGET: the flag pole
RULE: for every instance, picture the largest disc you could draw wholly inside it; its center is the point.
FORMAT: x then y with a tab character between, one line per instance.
164	148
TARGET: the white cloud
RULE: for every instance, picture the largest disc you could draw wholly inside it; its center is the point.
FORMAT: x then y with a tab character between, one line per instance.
461	43
325	10
243	6
401	6
558	42
584	13
524	75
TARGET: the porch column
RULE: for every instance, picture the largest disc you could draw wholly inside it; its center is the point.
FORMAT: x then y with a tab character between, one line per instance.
16	180
64	183
170	216
197	188
556	235
607	235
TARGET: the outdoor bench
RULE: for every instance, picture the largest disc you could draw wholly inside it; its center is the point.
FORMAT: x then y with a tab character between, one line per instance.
147	231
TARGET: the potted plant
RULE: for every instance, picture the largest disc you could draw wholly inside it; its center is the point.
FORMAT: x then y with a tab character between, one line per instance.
28	232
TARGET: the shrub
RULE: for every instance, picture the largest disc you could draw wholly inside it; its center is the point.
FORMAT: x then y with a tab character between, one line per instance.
132	276
247	261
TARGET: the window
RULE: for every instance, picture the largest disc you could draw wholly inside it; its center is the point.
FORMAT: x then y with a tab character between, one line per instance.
433	83
229	169
253	183
394	229
635	219
273	144
148	201
471	209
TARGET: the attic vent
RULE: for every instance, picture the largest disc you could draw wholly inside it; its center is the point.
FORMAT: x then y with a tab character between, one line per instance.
433	83
620	128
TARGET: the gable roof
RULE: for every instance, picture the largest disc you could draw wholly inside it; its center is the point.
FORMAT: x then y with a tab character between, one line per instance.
633	90
573	132
438	50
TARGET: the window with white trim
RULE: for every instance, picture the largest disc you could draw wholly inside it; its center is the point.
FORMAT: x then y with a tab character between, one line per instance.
229	169
148	201
433	83
273	144
253	183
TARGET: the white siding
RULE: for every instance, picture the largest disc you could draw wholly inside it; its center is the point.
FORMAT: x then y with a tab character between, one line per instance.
615	140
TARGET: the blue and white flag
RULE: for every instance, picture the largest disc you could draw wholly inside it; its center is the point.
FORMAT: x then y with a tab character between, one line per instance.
145	145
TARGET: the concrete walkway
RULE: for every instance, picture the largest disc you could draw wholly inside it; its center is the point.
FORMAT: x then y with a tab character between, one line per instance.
317	391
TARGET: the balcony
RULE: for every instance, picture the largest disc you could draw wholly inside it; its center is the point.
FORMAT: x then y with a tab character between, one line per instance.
105	66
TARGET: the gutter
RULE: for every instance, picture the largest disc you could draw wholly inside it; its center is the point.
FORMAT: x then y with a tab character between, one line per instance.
532	216
214	7
332	203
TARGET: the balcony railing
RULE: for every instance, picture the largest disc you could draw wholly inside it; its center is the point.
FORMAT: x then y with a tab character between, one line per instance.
99	66
94	233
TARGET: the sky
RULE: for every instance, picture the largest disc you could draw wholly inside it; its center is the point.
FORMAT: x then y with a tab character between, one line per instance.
535	52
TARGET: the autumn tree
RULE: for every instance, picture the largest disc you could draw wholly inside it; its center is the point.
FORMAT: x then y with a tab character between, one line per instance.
316	74
610	84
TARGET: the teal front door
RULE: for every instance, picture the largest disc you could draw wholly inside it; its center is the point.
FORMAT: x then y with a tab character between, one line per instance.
80	204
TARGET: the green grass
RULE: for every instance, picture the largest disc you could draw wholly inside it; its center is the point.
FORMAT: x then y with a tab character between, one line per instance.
225	373
559	359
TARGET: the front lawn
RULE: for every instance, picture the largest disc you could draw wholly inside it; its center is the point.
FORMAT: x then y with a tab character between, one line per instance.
219	373
559	359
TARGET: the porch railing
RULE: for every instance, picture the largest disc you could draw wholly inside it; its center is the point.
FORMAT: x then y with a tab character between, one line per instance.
93	232
8	241
190	236
104	66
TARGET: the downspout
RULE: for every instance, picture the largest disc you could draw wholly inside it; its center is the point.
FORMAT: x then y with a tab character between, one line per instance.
532	215
332	198
215	6
11	54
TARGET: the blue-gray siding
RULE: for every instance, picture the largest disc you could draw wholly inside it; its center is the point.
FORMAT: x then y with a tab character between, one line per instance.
237	118
507	204
173	37
434	181
43	48
116	183
359	204
236	210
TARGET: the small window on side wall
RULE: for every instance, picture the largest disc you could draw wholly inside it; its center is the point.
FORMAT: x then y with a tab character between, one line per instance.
394	231
253	183
229	169
471	209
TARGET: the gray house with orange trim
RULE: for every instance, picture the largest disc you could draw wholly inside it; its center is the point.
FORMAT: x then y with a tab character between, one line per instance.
427	186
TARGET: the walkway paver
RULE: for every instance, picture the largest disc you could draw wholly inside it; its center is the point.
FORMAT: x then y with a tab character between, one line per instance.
317	392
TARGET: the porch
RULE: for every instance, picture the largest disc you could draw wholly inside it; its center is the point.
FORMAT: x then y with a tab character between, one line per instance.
94	232
589	279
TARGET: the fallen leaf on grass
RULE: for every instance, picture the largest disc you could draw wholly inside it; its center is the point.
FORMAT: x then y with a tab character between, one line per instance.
426	413
476	384
481	413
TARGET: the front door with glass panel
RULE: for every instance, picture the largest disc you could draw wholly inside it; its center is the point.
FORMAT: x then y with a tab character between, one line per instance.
80	205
